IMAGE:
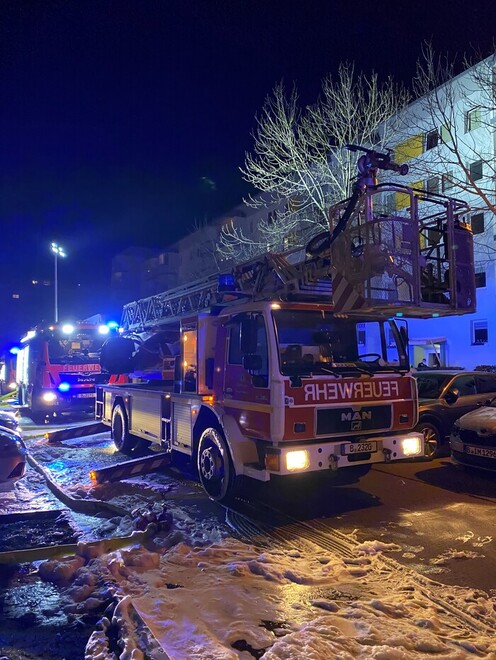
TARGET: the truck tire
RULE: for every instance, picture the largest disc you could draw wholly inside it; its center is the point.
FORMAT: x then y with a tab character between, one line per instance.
123	440
215	466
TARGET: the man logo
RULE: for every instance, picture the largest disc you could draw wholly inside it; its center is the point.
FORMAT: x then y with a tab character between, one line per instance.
356	415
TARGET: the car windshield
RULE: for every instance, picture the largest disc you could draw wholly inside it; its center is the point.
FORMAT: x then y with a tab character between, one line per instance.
316	342
430	386
80	348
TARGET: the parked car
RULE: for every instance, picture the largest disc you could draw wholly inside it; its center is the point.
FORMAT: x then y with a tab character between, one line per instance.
473	438
12	457
446	395
9	420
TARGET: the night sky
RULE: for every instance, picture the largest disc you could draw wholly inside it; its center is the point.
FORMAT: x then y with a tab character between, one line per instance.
122	123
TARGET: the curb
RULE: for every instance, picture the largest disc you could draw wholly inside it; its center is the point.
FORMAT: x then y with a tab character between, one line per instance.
90	507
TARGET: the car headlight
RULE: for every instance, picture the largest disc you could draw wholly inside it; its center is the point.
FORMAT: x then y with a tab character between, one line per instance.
48	397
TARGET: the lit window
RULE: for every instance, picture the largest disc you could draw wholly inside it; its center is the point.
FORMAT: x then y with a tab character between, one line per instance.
477	223
473	119
479	333
476	170
34	281
431	140
16	296
46	283
480	280
408	149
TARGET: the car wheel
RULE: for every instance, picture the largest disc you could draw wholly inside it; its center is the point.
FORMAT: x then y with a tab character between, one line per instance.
215	466
123	440
432	439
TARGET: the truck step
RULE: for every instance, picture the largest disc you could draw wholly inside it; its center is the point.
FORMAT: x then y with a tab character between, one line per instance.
132	468
75	432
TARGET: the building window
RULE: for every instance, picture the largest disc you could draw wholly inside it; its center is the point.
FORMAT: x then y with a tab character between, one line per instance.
390	203
477	222
480	279
431	140
473	119
445	134
16	296
408	149
479	333
476	170
34	281
448	181
432	184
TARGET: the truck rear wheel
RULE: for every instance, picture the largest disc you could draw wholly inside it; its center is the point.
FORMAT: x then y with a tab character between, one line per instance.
123	440
215	466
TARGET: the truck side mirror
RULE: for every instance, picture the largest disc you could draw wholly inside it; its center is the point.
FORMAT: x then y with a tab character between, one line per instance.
116	355
248	335
252	362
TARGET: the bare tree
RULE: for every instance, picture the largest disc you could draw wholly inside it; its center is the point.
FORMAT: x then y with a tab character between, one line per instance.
299	160
456	112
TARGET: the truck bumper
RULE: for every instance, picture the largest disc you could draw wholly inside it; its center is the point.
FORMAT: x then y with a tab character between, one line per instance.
335	455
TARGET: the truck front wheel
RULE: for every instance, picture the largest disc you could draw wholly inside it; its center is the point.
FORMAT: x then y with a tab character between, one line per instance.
215	467
123	440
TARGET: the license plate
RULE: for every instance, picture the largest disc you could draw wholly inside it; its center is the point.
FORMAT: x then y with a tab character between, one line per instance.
360	447
483	452
86	395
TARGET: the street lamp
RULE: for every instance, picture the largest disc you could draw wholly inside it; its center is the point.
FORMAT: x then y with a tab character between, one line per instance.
57	252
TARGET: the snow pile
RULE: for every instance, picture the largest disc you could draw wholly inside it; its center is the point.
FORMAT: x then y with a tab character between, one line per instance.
233	600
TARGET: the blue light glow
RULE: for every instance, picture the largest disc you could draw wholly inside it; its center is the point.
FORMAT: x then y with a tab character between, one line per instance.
64	387
14	350
113	325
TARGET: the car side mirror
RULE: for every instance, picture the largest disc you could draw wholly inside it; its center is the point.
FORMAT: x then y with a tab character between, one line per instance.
451	396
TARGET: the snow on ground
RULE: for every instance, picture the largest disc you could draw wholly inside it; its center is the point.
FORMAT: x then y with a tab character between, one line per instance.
205	595
236	600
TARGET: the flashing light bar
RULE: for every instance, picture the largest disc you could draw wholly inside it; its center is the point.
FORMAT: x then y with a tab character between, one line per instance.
64	387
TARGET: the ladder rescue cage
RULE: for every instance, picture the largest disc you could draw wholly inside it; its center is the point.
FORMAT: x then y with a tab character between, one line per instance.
417	262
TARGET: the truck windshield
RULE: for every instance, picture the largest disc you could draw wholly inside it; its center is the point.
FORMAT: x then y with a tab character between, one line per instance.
316	342
80	348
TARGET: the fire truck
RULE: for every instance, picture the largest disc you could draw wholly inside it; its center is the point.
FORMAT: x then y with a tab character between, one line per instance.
58	366
297	363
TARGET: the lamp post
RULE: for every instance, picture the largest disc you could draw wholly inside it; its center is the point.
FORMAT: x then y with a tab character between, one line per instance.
57	252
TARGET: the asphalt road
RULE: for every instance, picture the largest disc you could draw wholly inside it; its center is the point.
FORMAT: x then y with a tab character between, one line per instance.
441	518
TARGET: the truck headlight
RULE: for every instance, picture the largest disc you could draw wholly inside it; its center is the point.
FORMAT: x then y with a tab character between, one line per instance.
48	397
411	446
297	460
